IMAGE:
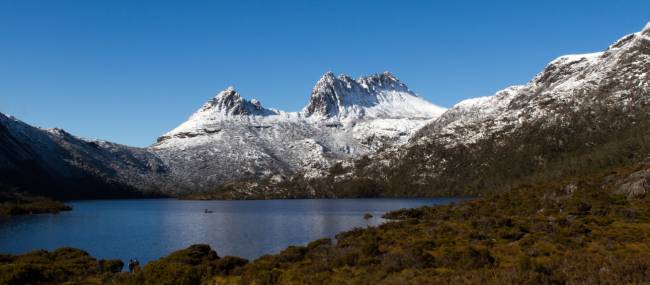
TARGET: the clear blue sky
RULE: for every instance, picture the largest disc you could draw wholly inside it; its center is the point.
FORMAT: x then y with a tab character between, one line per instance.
128	71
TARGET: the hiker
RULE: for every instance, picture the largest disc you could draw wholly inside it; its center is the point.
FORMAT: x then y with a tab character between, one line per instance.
133	264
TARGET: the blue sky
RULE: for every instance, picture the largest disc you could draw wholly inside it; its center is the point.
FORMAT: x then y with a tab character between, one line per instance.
128	71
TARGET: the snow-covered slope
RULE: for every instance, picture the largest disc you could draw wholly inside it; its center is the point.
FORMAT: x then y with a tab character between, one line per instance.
618	77
575	110
231	138
377	96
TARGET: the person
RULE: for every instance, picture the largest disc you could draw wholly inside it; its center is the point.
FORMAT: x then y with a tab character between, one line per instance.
134	264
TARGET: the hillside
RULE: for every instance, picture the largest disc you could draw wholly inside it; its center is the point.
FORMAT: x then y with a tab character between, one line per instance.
581	113
54	163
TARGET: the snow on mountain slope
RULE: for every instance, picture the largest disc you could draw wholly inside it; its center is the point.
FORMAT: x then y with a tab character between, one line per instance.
231	138
568	117
569	84
377	96
586	111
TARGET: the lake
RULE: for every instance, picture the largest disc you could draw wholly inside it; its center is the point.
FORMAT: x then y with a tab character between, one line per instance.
151	228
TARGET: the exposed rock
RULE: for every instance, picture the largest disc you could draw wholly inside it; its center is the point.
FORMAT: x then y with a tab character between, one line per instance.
569	189
635	185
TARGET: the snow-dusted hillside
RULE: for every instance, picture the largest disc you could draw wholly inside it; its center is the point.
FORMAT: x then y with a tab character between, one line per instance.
231	138
569	84
575	106
55	163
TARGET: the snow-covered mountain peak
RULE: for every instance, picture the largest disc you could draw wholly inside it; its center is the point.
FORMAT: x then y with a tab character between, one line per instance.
230	103
378	95
338	100
328	75
345	78
231	138
227	105
385	80
324	99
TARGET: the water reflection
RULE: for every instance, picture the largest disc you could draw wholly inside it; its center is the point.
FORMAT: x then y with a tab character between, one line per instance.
149	229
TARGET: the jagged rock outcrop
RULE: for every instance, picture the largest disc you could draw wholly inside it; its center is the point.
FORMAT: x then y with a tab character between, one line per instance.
230	103
635	185
344	97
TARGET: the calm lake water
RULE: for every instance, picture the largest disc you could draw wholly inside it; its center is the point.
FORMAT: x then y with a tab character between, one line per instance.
150	229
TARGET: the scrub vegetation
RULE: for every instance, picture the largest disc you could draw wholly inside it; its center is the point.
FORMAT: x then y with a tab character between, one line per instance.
20	204
585	229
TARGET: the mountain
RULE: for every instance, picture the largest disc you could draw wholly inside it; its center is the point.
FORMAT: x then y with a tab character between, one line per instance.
580	113
368	137
54	163
228	139
232	138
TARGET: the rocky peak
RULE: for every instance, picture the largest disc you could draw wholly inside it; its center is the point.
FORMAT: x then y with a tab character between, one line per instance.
328	76
229	102
323	100
331	94
345	78
385	81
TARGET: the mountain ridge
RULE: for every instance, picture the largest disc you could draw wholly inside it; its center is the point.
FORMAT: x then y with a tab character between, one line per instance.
587	109
231	138
368	137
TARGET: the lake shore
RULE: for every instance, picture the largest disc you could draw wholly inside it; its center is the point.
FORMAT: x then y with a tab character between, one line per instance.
119	228
17	204
578	230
